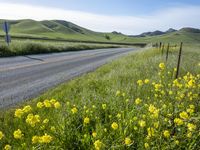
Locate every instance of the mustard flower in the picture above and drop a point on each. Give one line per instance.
(74, 110)
(184, 115)
(127, 141)
(18, 134)
(114, 125)
(1, 135)
(19, 113)
(7, 147)
(86, 120)
(98, 144)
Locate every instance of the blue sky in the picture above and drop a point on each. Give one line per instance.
(127, 16)
(110, 7)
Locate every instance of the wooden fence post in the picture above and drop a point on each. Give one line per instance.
(179, 60)
(163, 46)
(167, 53)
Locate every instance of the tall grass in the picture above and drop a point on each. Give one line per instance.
(37, 47)
(132, 103)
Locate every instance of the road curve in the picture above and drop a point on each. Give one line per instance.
(26, 77)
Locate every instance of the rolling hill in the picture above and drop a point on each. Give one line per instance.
(60, 29)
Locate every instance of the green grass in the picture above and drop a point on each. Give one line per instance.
(108, 96)
(55, 29)
(25, 47)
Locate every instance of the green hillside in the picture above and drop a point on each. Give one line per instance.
(59, 29)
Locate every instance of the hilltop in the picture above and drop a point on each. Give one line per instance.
(60, 29)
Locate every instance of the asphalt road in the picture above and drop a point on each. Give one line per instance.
(26, 77)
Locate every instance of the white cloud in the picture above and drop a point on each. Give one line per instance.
(160, 20)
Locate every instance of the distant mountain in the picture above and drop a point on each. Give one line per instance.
(60, 29)
(170, 30)
(155, 33)
(115, 32)
(191, 30)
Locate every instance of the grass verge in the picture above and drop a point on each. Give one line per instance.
(27, 47)
(132, 103)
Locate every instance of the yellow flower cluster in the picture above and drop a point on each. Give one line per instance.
(32, 119)
(114, 126)
(42, 139)
(20, 112)
(162, 66)
(127, 141)
(86, 120)
(138, 101)
(18, 134)
(74, 110)
(49, 103)
(98, 144)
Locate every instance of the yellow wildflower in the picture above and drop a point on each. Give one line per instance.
(47, 103)
(192, 107)
(94, 134)
(156, 124)
(98, 144)
(189, 110)
(32, 119)
(189, 134)
(151, 132)
(114, 125)
(1, 135)
(138, 101)
(127, 141)
(146, 81)
(140, 82)
(103, 106)
(45, 139)
(57, 105)
(7, 147)
(146, 145)
(119, 115)
(53, 129)
(74, 110)
(18, 134)
(27, 108)
(166, 134)
(152, 108)
(35, 139)
(135, 128)
(86, 120)
(45, 121)
(177, 142)
(162, 66)
(142, 123)
(53, 101)
(19, 113)
(184, 115)
(178, 121)
(191, 127)
(123, 94)
(40, 105)
(170, 92)
(191, 83)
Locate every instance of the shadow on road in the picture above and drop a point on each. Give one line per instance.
(34, 58)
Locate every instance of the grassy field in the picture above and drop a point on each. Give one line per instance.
(131, 103)
(59, 29)
(25, 47)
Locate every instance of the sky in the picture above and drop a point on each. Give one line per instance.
(127, 16)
